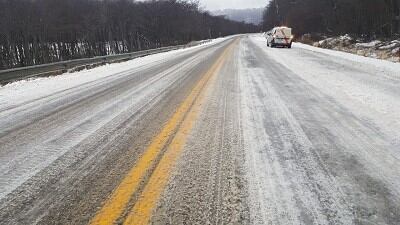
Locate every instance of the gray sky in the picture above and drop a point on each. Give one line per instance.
(232, 4)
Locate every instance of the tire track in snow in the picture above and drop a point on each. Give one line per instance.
(290, 176)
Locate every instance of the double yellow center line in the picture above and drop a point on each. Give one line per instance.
(177, 129)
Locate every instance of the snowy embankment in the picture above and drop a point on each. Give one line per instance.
(384, 65)
(34, 88)
(387, 50)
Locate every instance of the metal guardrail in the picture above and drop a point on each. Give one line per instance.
(10, 75)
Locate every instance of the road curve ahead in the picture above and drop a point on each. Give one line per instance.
(229, 132)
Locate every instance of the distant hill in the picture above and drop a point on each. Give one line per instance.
(253, 16)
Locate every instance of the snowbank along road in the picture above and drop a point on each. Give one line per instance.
(230, 132)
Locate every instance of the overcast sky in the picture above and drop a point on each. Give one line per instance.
(232, 4)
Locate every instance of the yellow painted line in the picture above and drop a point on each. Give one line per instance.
(142, 210)
(118, 201)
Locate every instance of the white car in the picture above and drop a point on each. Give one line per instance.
(280, 36)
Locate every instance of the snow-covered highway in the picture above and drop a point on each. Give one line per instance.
(229, 132)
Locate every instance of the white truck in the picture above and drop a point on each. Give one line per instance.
(280, 36)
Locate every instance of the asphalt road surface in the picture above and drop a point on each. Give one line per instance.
(230, 132)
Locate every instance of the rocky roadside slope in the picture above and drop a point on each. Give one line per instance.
(379, 49)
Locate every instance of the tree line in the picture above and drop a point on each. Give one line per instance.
(369, 18)
(35, 32)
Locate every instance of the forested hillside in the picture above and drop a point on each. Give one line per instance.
(253, 16)
(359, 17)
(41, 31)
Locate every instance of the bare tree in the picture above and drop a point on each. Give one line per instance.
(359, 17)
(43, 31)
